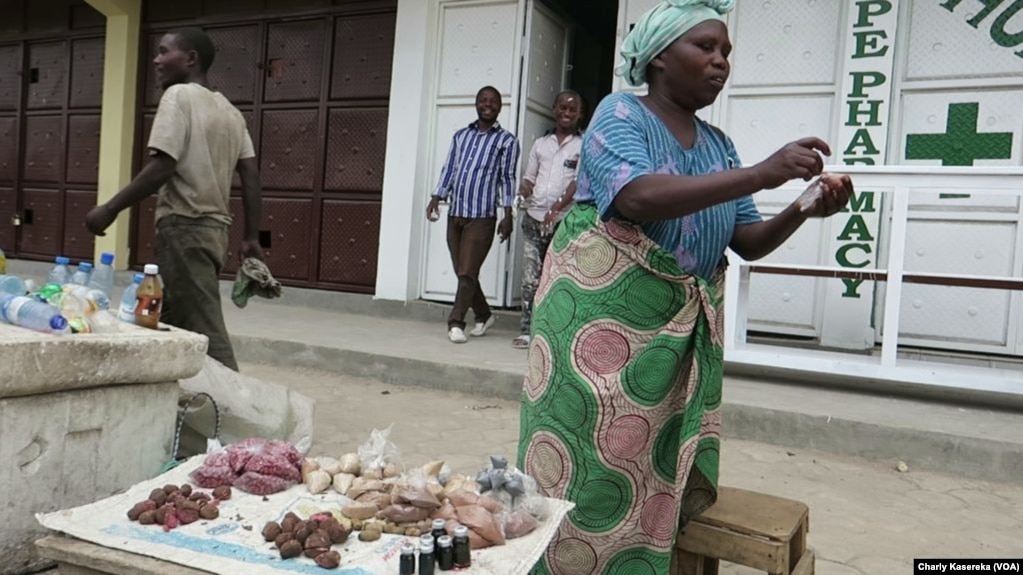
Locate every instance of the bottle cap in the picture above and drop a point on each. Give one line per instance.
(58, 323)
(62, 261)
(106, 258)
(426, 547)
(407, 549)
(152, 269)
(427, 538)
(85, 266)
(438, 523)
(461, 531)
(444, 541)
(138, 278)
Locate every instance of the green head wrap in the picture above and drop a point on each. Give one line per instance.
(661, 26)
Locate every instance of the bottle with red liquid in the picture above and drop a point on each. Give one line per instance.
(149, 298)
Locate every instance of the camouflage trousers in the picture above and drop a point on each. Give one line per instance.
(534, 246)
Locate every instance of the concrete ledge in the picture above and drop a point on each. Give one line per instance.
(61, 450)
(36, 363)
(924, 450)
(391, 369)
(976, 443)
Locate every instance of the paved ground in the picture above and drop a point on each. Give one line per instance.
(866, 518)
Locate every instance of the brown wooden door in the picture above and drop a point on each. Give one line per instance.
(51, 80)
(313, 81)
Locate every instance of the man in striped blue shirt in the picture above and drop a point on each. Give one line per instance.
(478, 177)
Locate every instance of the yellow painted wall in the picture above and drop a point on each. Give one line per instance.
(117, 129)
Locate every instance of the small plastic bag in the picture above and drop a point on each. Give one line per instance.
(811, 195)
(515, 524)
(531, 501)
(512, 488)
(378, 452)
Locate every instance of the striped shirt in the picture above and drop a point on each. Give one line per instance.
(478, 164)
(625, 141)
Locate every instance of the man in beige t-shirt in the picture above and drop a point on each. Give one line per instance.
(198, 141)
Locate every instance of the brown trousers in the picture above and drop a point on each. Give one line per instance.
(191, 253)
(469, 241)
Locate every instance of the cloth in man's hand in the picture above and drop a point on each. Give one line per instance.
(254, 279)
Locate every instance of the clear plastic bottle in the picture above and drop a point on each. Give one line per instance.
(149, 298)
(33, 314)
(82, 274)
(61, 273)
(96, 298)
(48, 291)
(103, 322)
(103, 274)
(74, 309)
(12, 285)
(128, 300)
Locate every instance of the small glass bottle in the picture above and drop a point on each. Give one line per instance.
(426, 559)
(407, 563)
(445, 553)
(438, 529)
(463, 555)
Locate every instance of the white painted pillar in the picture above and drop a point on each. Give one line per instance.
(403, 208)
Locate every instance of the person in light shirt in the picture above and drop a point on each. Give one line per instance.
(547, 189)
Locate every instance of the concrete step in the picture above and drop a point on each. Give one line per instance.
(976, 442)
(406, 344)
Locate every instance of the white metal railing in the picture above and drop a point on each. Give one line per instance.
(899, 184)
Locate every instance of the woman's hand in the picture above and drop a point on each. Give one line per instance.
(835, 192)
(800, 159)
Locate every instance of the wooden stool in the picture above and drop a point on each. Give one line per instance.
(760, 531)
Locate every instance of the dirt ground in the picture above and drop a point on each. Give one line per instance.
(865, 517)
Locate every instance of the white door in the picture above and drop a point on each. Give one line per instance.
(478, 44)
(545, 72)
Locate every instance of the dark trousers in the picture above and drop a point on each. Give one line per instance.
(469, 241)
(191, 253)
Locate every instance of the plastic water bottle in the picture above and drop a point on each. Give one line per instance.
(96, 298)
(103, 275)
(74, 309)
(128, 300)
(35, 315)
(48, 291)
(82, 275)
(12, 285)
(103, 322)
(60, 273)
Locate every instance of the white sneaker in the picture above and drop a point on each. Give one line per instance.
(481, 328)
(456, 335)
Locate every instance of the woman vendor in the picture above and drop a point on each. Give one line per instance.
(621, 404)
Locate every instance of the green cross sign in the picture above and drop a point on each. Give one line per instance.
(961, 144)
